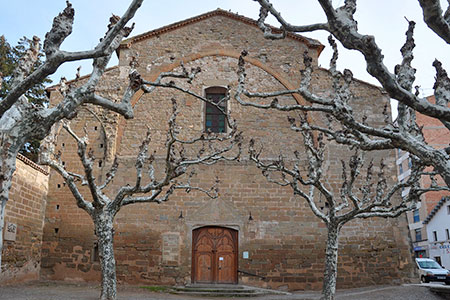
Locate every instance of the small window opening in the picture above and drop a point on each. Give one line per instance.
(56, 230)
(100, 163)
(438, 260)
(63, 163)
(418, 234)
(58, 185)
(95, 128)
(215, 120)
(435, 236)
(416, 216)
(448, 234)
(57, 206)
(63, 145)
(101, 145)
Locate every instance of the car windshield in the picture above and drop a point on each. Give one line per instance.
(429, 265)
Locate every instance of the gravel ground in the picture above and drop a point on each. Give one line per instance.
(67, 291)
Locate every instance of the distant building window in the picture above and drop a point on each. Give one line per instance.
(214, 118)
(448, 234)
(416, 216)
(438, 260)
(409, 163)
(435, 236)
(448, 209)
(418, 233)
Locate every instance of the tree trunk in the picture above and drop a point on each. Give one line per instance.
(104, 230)
(331, 258)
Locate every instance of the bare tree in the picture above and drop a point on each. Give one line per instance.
(348, 126)
(155, 187)
(21, 120)
(359, 196)
(356, 198)
(399, 84)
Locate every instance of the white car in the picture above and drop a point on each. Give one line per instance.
(430, 270)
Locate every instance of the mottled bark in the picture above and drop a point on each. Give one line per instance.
(438, 21)
(103, 222)
(331, 259)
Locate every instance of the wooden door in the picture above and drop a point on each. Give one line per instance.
(214, 255)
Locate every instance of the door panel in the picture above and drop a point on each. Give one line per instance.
(214, 255)
(226, 268)
(204, 271)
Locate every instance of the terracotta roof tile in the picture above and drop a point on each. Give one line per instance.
(436, 209)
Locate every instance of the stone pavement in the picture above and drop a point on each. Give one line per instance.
(70, 291)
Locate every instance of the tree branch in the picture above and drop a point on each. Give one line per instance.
(62, 25)
(436, 19)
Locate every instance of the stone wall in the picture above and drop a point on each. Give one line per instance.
(24, 222)
(285, 242)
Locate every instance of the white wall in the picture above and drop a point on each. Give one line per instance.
(439, 223)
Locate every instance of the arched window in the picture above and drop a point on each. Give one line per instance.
(214, 118)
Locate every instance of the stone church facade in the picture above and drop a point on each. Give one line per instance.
(255, 232)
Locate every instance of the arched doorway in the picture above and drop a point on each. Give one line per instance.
(214, 255)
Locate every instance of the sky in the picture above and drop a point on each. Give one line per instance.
(385, 19)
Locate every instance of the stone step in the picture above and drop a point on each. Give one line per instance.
(212, 285)
(219, 294)
(212, 290)
(220, 290)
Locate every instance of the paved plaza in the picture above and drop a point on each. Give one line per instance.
(72, 291)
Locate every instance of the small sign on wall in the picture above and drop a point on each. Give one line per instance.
(245, 255)
(10, 231)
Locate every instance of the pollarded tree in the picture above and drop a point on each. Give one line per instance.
(350, 126)
(359, 196)
(151, 185)
(22, 121)
(335, 119)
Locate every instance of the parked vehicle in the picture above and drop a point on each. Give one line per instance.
(430, 270)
